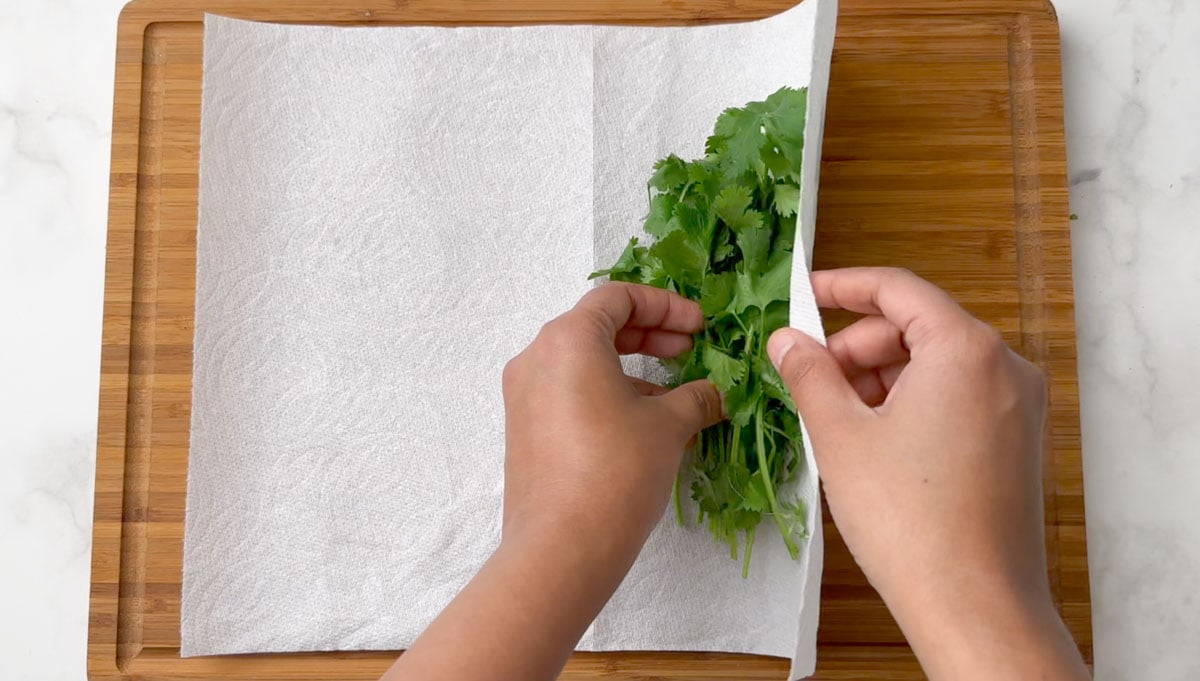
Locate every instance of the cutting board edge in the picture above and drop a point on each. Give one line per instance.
(136, 14)
(111, 533)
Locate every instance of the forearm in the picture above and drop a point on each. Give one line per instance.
(518, 619)
(995, 634)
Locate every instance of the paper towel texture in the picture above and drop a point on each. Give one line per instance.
(386, 216)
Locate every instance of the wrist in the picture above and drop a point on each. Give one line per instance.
(988, 631)
(561, 575)
(598, 550)
(520, 616)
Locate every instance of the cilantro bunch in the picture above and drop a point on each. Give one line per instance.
(723, 228)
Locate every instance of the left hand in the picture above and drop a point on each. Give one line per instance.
(589, 449)
(591, 456)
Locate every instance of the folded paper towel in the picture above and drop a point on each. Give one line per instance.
(386, 216)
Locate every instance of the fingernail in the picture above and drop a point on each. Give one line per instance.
(777, 347)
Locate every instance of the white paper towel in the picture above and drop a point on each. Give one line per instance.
(386, 216)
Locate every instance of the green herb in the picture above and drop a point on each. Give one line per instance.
(722, 229)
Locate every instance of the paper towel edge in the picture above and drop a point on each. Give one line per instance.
(804, 660)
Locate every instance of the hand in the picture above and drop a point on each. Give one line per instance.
(927, 431)
(590, 450)
(590, 458)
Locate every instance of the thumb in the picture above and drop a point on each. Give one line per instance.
(695, 406)
(819, 388)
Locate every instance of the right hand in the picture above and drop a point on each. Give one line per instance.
(927, 431)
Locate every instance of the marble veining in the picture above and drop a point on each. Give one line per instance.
(1132, 106)
(56, 70)
(1134, 154)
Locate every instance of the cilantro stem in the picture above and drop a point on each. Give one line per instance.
(777, 430)
(770, 485)
(746, 558)
(683, 192)
(745, 330)
(675, 499)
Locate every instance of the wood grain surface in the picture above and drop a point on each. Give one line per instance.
(944, 153)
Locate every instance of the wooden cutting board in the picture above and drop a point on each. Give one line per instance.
(944, 153)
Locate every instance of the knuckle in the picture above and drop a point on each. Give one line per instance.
(607, 291)
(984, 343)
(837, 346)
(990, 339)
(894, 275)
(511, 375)
(1035, 379)
(705, 400)
(554, 334)
(614, 286)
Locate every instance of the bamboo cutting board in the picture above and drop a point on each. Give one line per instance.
(943, 153)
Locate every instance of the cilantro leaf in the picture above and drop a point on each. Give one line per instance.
(779, 165)
(650, 270)
(626, 264)
(772, 385)
(737, 139)
(722, 252)
(754, 242)
(755, 496)
(690, 218)
(724, 371)
(658, 222)
(760, 290)
(716, 293)
(686, 367)
(787, 199)
(669, 174)
(682, 259)
(786, 231)
(741, 401)
(783, 123)
(731, 205)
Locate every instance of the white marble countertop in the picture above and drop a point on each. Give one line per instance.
(1133, 136)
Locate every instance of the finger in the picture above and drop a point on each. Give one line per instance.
(874, 385)
(824, 397)
(632, 340)
(871, 353)
(695, 406)
(888, 375)
(647, 388)
(909, 302)
(869, 388)
(868, 344)
(618, 305)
